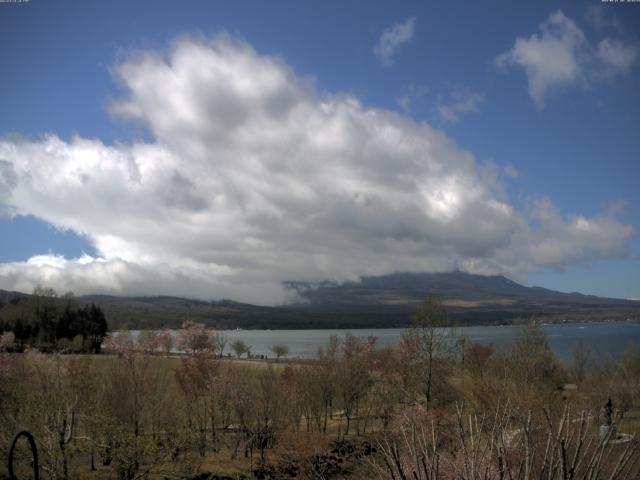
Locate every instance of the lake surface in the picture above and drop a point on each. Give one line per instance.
(606, 339)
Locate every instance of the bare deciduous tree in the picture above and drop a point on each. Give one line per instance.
(428, 341)
(279, 350)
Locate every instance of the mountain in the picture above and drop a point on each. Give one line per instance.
(384, 301)
(6, 297)
(456, 288)
(469, 298)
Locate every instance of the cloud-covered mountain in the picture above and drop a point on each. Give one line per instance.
(382, 301)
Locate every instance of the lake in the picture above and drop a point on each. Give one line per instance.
(606, 339)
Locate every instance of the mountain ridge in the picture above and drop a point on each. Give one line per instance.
(374, 301)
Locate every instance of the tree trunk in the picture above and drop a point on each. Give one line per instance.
(429, 373)
(326, 414)
(348, 416)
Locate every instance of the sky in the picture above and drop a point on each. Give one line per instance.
(216, 149)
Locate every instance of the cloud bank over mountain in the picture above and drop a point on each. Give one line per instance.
(253, 177)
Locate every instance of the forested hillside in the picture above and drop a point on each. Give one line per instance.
(385, 301)
(50, 323)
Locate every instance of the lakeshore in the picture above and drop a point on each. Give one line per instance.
(604, 338)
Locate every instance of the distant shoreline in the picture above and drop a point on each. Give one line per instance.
(453, 324)
(605, 337)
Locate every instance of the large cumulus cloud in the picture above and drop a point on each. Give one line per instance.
(253, 177)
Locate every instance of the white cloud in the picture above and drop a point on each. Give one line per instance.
(598, 18)
(616, 207)
(404, 102)
(460, 103)
(117, 276)
(616, 56)
(561, 56)
(252, 178)
(412, 93)
(392, 38)
(555, 241)
(511, 171)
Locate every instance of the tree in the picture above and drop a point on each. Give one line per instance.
(194, 337)
(220, 342)
(120, 342)
(96, 326)
(270, 409)
(429, 340)
(7, 341)
(44, 292)
(46, 316)
(279, 350)
(477, 356)
(50, 323)
(148, 341)
(581, 360)
(165, 341)
(354, 375)
(388, 389)
(197, 378)
(532, 361)
(77, 345)
(531, 372)
(240, 348)
(328, 375)
(629, 369)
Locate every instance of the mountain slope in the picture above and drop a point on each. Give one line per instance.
(455, 287)
(384, 301)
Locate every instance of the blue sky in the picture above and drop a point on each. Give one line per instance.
(543, 95)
